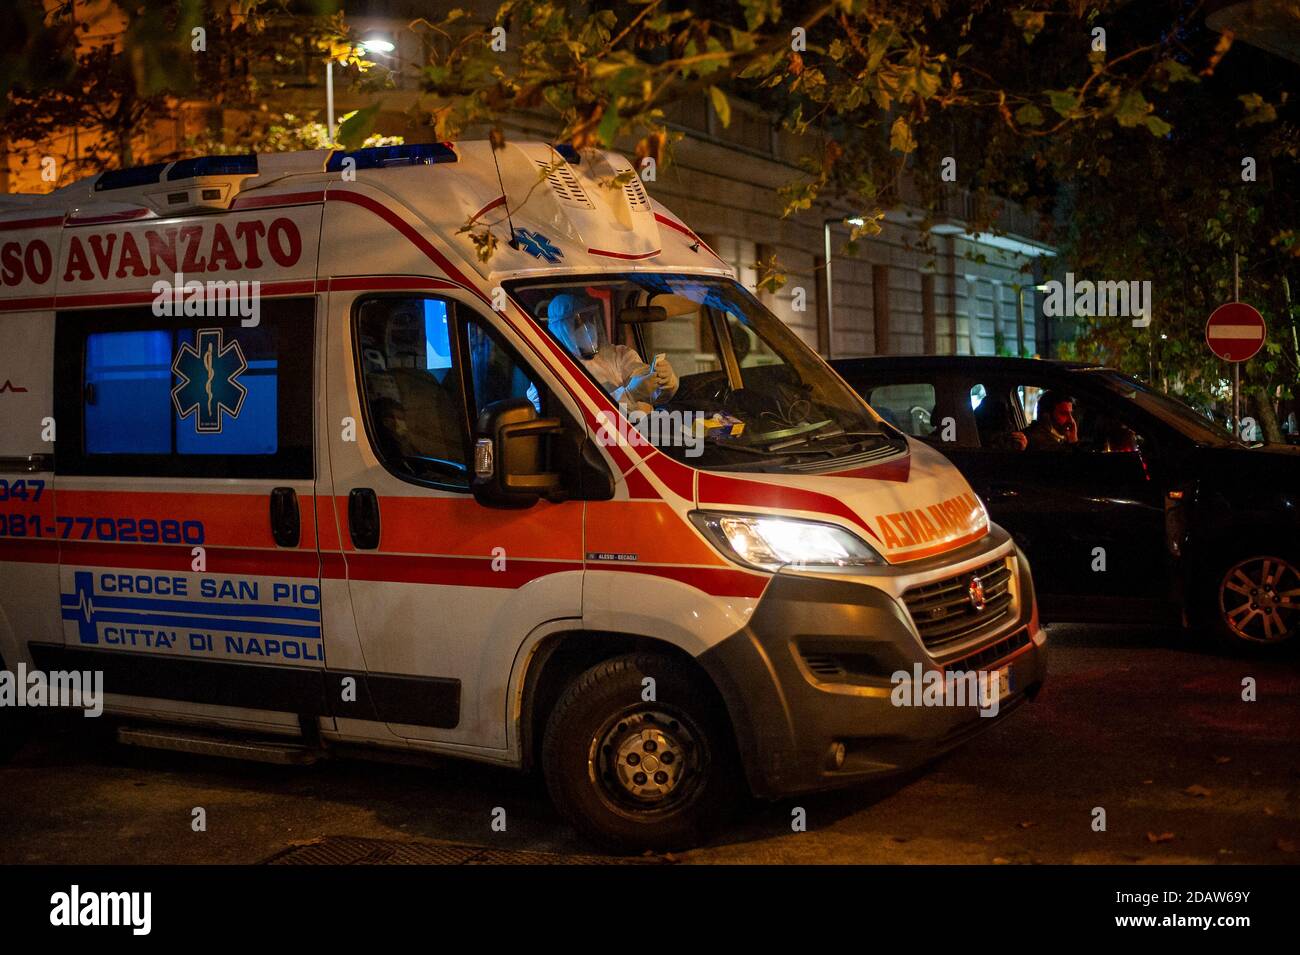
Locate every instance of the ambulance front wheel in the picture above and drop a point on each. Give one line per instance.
(637, 755)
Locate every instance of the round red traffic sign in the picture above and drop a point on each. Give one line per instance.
(1235, 332)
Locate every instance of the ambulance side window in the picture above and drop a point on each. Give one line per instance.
(415, 414)
(137, 394)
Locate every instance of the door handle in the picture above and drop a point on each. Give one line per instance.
(286, 527)
(363, 518)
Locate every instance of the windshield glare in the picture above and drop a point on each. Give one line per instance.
(705, 372)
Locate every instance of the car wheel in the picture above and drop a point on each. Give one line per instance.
(635, 774)
(1256, 600)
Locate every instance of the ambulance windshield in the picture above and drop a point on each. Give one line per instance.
(706, 373)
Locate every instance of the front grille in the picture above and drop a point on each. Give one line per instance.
(944, 614)
(992, 653)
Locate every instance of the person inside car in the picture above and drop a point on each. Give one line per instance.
(576, 322)
(1055, 426)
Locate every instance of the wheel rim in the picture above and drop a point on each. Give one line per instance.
(1259, 599)
(648, 759)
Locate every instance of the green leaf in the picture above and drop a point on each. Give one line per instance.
(608, 128)
(1258, 109)
(1030, 22)
(1176, 72)
(1157, 126)
(1064, 102)
(356, 126)
(1029, 115)
(720, 105)
(900, 136)
(1132, 109)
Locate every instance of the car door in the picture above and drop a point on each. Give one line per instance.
(1087, 515)
(185, 489)
(443, 589)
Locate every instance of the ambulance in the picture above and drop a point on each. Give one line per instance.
(297, 457)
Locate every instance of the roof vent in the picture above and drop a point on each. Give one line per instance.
(635, 192)
(564, 183)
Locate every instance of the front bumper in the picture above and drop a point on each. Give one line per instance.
(790, 706)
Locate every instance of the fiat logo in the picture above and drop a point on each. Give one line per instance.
(975, 593)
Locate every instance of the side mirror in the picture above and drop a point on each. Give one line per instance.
(642, 315)
(509, 454)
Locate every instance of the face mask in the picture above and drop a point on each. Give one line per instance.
(585, 340)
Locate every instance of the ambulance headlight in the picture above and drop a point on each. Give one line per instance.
(770, 543)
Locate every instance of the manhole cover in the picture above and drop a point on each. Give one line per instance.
(347, 850)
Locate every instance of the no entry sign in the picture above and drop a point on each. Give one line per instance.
(1235, 332)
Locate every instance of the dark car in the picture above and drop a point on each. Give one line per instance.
(1153, 514)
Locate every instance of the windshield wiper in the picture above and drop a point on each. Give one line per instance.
(789, 437)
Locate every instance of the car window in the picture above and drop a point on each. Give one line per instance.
(1058, 420)
(413, 397)
(909, 406)
(996, 409)
(1186, 420)
(203, 398)
(1028, 396)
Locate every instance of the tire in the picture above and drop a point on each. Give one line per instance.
(602, 736)
(1251, 601)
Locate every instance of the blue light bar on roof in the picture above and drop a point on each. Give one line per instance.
(242, 165)
(125, 178)
(378, 157)
(569, 153)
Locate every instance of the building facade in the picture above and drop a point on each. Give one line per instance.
(908, 290)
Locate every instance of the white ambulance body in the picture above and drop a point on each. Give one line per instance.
(391, 508)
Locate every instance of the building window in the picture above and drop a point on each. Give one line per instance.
(929, 333)
(880, 307)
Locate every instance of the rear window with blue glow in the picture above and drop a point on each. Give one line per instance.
(182, 391)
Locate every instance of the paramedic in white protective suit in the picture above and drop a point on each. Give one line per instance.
(576, 321)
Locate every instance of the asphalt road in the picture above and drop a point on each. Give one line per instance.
(1138, 723)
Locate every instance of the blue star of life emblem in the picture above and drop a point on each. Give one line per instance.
(209, 371)
(538, 246)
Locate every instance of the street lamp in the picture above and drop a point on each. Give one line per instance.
(856, 222)
(371, 44)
